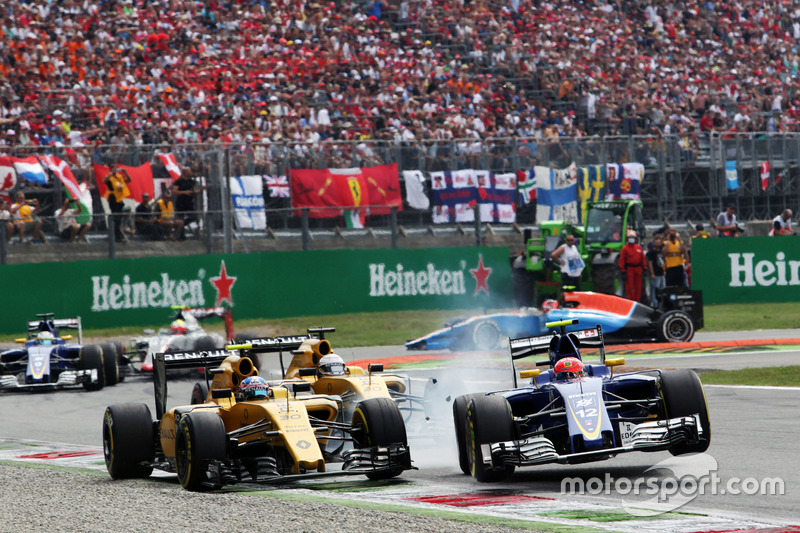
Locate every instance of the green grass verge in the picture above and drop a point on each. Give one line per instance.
(378, 329)
(785, 376)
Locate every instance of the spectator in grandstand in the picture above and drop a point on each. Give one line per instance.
(5, 219)
(185, 189)
(171, 227)
(145, 221)
(117, 190)
(25, 219)
(68, 227)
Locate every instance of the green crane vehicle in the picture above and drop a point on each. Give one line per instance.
(599, 243)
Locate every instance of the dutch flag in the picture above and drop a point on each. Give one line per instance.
(29, 168)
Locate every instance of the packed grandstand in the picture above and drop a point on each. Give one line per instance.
(144, 72)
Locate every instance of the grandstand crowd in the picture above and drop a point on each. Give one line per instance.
(81, 72)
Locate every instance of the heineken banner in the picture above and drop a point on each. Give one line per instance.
(143, 292)
(747, 269)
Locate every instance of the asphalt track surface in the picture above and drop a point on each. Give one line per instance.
(755, 436)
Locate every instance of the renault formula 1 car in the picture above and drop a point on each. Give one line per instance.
(623, 321)
(48, 360)
(576, 412)
(230, 439)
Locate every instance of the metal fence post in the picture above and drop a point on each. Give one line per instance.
(3, 248)
(478, 239)
(112, 241)
(209, 232)
(393, 224)
(306, 232)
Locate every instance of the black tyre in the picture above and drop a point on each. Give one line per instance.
(486, 335)
(683, 395)
(675, 326)
(460, 424)
(200, 438)
(91, 358)
(378, 422)
(110, 363)
(604, 278)
(199, 393)
(205, 344)
(120, 354)
(488, 419)
(241, 338)
(128, 440)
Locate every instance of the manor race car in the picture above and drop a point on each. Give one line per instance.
(623, 321)
(577, 412)
(248, 430)
(184, 335)
(49, 361)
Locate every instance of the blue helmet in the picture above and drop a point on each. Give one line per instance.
(254, 387)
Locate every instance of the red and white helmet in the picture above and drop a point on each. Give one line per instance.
(568, 368)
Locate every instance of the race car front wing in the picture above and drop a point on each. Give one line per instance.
(647, 436)
(67, 378)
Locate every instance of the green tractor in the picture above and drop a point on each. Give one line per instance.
(599, 243)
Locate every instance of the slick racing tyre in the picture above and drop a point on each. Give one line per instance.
(110, 363)
(378, 422)
(91, 358)
(675, 326)
(200, 438)
(486, 335)
(488, 420)
(205, 344)
(120, 348)
(682, 394)
(199, 393)
(459, 423)
(128, 440)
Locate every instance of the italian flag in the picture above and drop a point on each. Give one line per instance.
(73, 189)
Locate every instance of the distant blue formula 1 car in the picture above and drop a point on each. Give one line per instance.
(576, 412)
(49, 361)
(622, 321)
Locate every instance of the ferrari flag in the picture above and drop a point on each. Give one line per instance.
(141, 180)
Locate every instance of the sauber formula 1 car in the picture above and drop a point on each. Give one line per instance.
(49, 361)
(184, 335)
(229, 439)
(576, 412)
(623, 321)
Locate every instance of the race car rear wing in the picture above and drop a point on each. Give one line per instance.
(35, 326)
(204, 313)
(211, 359)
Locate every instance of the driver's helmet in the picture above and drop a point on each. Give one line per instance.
(568, 368)
(549, 305)
(45, 337)
(331, 365)
(253, 387)
(179, 327)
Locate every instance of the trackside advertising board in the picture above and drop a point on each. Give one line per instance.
(747, 269)
(133, 292)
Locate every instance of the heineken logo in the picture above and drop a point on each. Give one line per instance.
(127, 293)
(747, 272)
(397, 280)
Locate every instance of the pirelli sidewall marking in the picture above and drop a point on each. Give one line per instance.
(142, 292)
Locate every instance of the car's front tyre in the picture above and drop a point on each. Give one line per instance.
(683, 395)
(488, 419)
(378, 422)
(200, 438)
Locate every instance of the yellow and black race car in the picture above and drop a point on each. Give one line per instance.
(281, 433)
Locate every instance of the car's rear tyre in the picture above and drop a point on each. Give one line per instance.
(199, 393)
(460, 423)
(675, 326)
(120, 354)
(488, 419)
(90, 357)
(682, 393)
(486, 335)
(128, 440)
(200, 438)
(378, 422)
(110, 363)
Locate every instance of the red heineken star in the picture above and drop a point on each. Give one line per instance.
(481, 275)
(223, 283)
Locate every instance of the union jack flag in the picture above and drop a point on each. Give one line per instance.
(278, 186)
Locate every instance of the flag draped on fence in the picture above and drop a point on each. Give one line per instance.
(456, 193)
(557, 194)
(764, 171)
(171, 164)
(591, 186)
(278, 186)
(8, 174)
(624, 181)
(526, 183)
(29, 168)
(731, 175)
(74, 191)
(415, 189)
(247, 196)
(141, 180)
(383, 188)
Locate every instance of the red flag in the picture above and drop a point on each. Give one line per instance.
(341, 188)
(171, 165)
(764, 175)
(141, 180)
(383, 186)
(8, 175)
(64, 173)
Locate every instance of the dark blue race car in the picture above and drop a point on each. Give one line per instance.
(49, 360)
(575, 412)
(622, 320)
